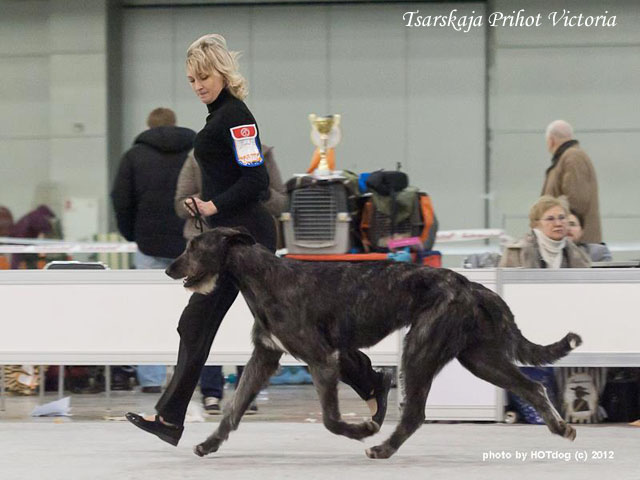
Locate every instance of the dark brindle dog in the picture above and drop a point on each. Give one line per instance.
(314, 310)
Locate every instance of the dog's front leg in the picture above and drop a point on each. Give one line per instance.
(262, 364)
(325, 379)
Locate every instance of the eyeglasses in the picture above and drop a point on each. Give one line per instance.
(560, 218)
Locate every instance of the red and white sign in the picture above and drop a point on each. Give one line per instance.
(243, 131)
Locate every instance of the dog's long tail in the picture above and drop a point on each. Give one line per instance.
(530, 353)
(524, 351)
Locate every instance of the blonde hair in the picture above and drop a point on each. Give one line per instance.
(543, 204)
(209, 54)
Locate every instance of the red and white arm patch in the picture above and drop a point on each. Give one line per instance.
(245, 145)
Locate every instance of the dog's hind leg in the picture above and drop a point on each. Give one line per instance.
(262, 364)
(422, 359)
(325, 378)
(500, 371)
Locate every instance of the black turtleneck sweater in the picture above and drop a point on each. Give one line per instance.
(230, 183)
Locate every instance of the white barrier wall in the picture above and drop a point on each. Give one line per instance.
(116, 316)
(598, 304)
(101, 317)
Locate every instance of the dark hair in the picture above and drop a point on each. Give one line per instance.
(161, 117)
(6, 222)
(579, 216)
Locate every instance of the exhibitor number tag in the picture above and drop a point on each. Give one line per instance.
(245, 144)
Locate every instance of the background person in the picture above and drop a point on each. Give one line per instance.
(37, 223)
(190, 185)
(143, 194)
(598, 252)
(572, 174)
(547, 245)
(6, 221)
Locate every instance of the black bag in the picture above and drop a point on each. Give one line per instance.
(387, 183)
(621, 398)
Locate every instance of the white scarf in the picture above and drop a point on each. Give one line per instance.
(551, 250)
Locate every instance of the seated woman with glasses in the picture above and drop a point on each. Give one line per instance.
(547, 246)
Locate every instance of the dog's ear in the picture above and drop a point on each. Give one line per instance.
(238, 235)
(225, 238)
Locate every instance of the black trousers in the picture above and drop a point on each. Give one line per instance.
(199, 324)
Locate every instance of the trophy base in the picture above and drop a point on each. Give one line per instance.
(327, 174)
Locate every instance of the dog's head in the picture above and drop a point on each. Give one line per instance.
(205, 257)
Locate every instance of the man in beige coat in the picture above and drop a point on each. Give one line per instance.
(572, 174)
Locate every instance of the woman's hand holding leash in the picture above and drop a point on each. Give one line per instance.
(206, 209)
(200, 210)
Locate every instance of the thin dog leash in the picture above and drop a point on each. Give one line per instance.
(200, 221)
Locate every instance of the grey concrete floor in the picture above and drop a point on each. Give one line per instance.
(287, 440)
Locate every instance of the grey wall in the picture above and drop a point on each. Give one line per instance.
(586, 76)
(52, 103)
(404, 94)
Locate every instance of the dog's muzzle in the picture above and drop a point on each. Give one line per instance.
(190, 281)
(176, 270)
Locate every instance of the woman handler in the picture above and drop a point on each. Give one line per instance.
(234, 181)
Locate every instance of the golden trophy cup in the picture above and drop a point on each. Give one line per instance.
(325, 134)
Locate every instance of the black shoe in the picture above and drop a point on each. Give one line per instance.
(120, 382)
(152, 389)
(381, 392)
(169, 433)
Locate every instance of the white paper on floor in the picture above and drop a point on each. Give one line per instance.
(58, 408)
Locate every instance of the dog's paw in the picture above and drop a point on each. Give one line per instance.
(574, 340)
(204, 448)
(380, 451)
(359, 431)
(371, 426)
(569, 432)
